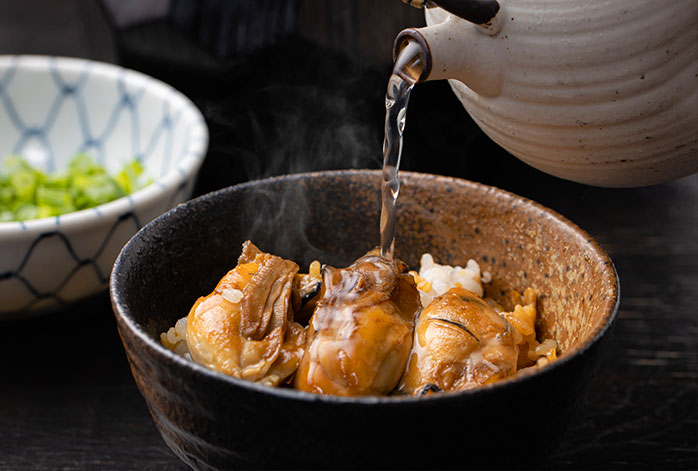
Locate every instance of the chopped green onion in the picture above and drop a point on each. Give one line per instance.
(27, 211)
(12, 164)
(128, 179)
(23, 184)
(56, 198)
(28, 193)
(6, 215)
(82, 164)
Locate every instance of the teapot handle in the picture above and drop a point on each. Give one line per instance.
(482, 13)
(479, 12)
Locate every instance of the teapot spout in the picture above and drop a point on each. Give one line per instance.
(456, 49)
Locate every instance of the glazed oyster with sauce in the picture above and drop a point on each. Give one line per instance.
(371, 328)
(360, 334)
(245, 327)
(460, 342)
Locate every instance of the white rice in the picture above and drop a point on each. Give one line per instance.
(232, 295)
(176, 338)
(434, 279)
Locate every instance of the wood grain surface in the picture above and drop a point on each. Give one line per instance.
(67, 398)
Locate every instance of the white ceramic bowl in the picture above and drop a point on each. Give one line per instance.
(53, 108)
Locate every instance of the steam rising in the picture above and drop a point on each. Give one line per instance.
(291, 111)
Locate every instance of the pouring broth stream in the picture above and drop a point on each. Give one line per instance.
(409, 66)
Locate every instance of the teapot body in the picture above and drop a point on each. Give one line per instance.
(601, 92)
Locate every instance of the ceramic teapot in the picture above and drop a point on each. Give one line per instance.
(602, 92)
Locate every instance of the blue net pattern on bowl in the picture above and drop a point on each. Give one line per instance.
(145, 143)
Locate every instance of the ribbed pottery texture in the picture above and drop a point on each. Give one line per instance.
(603, 92)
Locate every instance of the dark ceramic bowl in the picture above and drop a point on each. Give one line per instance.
(212, 421)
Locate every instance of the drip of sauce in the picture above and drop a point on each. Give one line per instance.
(408, 68)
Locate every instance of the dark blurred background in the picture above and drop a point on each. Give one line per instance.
(298, 85)
(285, 85)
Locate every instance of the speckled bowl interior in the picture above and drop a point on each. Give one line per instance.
(216, 422)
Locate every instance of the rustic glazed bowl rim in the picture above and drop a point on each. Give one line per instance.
(123, 313)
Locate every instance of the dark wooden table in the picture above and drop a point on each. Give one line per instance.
(67, 398)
